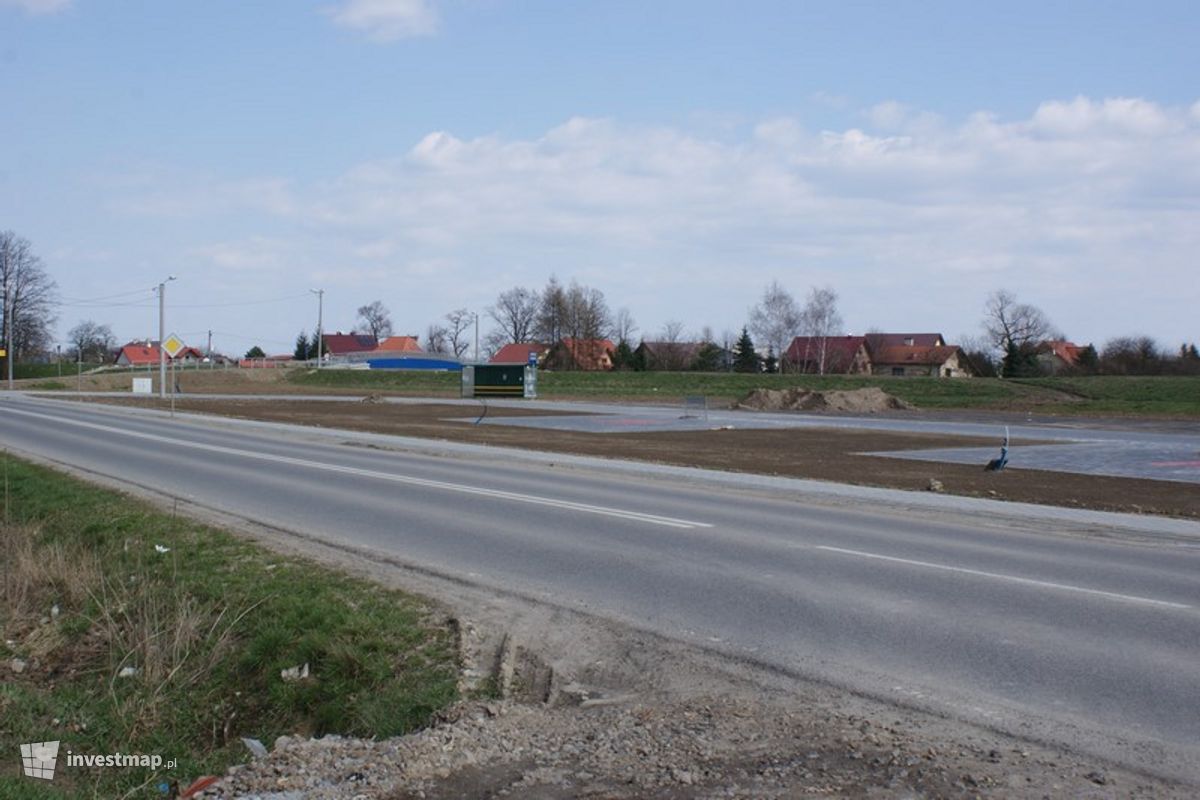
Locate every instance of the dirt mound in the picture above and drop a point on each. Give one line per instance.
(856, 401)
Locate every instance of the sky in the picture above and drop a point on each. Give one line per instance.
(678, 156)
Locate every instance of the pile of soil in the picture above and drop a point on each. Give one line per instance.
(856, 401)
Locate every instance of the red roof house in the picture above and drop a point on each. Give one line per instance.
(145, 353)
(829, 355)
(581, 354)
(337, 344)
(518, 353)
(1057, 355)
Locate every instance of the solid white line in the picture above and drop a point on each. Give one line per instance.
(1013, 578)
(499, 494)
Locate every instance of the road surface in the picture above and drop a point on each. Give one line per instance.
(1091, 641)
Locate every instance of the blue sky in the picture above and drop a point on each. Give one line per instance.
(678, 156)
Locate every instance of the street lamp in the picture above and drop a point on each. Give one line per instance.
(476, 337)
(162, 335)
(320, 293)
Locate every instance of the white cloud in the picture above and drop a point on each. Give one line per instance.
(1086, 207)
(38, 6)
(386, 20)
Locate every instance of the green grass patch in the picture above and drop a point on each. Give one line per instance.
(23, 371)
(416, 382)
(47, 386)
(207, 627)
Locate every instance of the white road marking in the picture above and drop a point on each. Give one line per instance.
(498, 494)
(1013, 578)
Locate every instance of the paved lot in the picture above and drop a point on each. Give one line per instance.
(1083, 450)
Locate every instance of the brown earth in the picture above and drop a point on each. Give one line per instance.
(818, 453)
(869, 400)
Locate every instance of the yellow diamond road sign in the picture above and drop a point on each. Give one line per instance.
(173, 345)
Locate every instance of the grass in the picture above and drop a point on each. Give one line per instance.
(207, 627)
(1100, 395)
(69, 368)
(417, 382)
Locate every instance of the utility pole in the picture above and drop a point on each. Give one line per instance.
(8, 330)
(476, 337)
(320, 293)
(59, 359)
(162, 335)
(208, 352)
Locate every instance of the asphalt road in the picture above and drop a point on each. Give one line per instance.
(1090, 641)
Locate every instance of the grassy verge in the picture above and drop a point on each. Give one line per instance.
(1133, 396)
(67, 368)
(429, 384)
(94, 584)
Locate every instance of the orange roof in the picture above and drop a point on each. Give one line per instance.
(517, 353)
(147, 353)
(1067, 351)
(400, 344)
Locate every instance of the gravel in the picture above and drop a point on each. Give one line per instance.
(658, 747)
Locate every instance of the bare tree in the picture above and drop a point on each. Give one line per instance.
(821, 321)
(458, 332)
(28, 298)
(1132, 355)
(91, 341)
(516, 312)
(376, 318)
(1011, 325)
(672, 354)
(776, 319)
(552, 313)
(588, 317)
(624, 327)
(436, 340)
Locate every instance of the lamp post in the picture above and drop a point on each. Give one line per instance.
(162, 335)
(476, 337)
(320, 293)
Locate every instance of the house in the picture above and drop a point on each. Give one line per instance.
(145, 354)
(340, 344)
(669, 356)
(1057, 356)
(590, 355)
(939, 361)
(399, 344)
(830, 355)
(876, 341)
(519, 353)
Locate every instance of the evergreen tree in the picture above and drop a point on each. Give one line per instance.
(255, 352)
(745, 357)
(302, 347)
(1020, 362)
(708, 359)
(623, 358)
(771, 363)
(1088, 360)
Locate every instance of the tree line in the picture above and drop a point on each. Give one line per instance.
(1013, 340)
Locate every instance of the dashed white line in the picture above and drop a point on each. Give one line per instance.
(499, 494)
(1012, 578)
